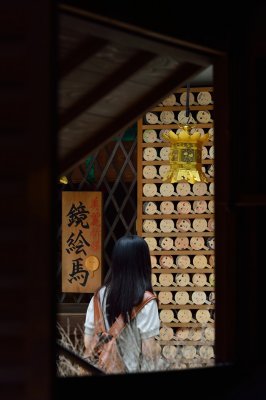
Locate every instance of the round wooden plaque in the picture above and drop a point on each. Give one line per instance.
(183, 189)
(200, 261)
(154, 280)
(163, 170)
(149, 189)
(211, 188)
(182, 279)
(199, 188)
(169, 101)
(199, 280)
(152, 118)
(166, 279)
(167, 207)
(181, 243)
(149, 136)
(166, 333)
(202, 316)
(209, 333)
(166, 261)
(200, 224)
(183, 261)
(151, 242)
(200, 206)
(149, 207)
(149, 154)
(212, 279)
(195, 334)
(167, 117)
(189, 352)
(182, 298)
(164, 153)
(167, 189)
(149, 172)
(211, 243)
(204, 98)
(204, 116)
(211, 225)
(183, 225)
(212, 260)
(206, 352)
(211, 206)
(169, 352)
(197, 243)
(211, 134)
(167, 225)
(165, 297)
(183, 207)
(149, 225)
(199, 298)
(161, 134)
(183, 99)
(182, 333)
(166, 316)
(204, 153)
(166, 243)
(184, 316)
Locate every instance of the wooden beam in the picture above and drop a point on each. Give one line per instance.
(128, 116)
(124, 72)
(72, 308)
(137, 37)
(85, 49)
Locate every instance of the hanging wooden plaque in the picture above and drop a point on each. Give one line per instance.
(81, 241)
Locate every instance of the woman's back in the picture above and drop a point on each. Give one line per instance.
(145, 325)
(126, 282)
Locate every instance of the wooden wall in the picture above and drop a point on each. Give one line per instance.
(28, 147)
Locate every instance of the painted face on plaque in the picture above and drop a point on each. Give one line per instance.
(149, 136)
(92, 263)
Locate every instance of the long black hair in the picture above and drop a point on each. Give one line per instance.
(128, 277)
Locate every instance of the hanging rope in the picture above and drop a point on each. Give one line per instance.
(187, 102)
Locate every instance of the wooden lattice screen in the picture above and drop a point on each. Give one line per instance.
(111, 170)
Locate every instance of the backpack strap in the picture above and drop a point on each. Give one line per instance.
(148, 296)
(119, 323)
(99, 325)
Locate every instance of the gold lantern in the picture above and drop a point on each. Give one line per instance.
(185, 155)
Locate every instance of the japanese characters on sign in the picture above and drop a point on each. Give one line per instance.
(81, 241)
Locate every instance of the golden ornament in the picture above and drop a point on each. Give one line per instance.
(185, 156)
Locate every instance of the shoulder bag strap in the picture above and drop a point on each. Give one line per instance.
(119, 324)
(148, 296)
(99, 325)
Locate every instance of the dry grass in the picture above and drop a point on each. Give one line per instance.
(73, 340)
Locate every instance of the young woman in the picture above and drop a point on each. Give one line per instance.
(124, 287)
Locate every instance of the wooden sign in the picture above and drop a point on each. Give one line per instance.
(81, 241)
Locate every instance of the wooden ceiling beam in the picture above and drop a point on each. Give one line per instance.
(84, 50)
(129, 115)
(123, 73)
(137, 37)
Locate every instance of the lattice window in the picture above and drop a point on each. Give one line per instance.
(112, 170)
